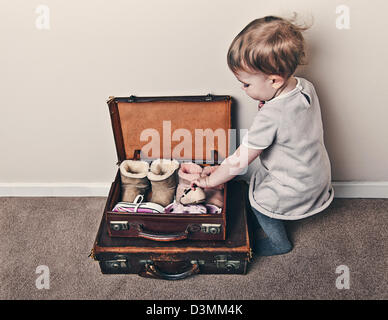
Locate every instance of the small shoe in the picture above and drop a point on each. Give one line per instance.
(163, 177)
(134, 179)
(191, 196)
(176, 207)
(138, 206)
(187, 173)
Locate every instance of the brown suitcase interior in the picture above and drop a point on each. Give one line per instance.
(130, 117)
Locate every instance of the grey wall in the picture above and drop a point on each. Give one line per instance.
(54, 121)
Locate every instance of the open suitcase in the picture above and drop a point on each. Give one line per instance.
(180, 259)
(179, 124)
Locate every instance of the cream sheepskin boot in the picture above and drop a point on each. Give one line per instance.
(163, 177)
(134, 179)
(187, 173)
(190, 196)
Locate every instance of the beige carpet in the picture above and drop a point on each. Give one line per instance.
(59, 233)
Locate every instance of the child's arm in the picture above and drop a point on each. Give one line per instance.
(229, 168)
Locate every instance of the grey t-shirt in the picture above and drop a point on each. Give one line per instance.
(294, 178)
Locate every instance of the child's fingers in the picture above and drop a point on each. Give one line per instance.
(206, 171)
(194, 184)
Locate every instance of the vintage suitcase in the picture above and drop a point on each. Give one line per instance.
(199, 127)
(177, 260)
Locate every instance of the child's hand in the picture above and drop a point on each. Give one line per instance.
(202, 182)
(207, 171)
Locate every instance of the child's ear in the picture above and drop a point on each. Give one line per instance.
(276, 81)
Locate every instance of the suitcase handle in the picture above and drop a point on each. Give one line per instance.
(163, 237)
(160, 236)
(152, 271)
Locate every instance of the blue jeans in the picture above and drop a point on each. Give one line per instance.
(277, 241)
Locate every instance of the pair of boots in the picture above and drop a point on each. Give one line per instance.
(137, 177)
(189, 172)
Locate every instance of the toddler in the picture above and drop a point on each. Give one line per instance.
(294, 178)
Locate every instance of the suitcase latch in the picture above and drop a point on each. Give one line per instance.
(119, 225)
(119, 263)
(211, 228)
(222, 262)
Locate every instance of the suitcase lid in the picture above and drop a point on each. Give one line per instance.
(192, 128)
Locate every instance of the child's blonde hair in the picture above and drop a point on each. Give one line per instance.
(271, 44)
